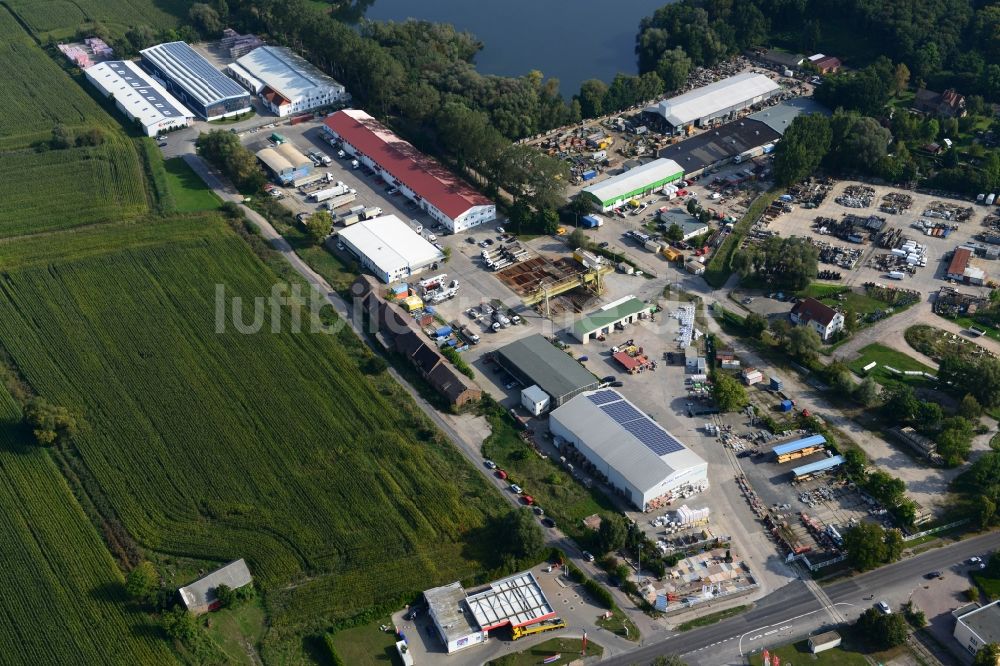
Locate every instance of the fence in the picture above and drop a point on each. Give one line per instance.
(935, 530)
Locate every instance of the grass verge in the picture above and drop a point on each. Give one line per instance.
(619, 624)
(188, 191)
(885, 356)
(569, 648)
(712, 618)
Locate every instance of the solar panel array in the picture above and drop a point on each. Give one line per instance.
(144, 89)
(643, 428)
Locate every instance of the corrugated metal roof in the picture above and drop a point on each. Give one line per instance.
(608, 316)
(798, 444)
(426, 177)
(274, 161)
(634, 179)
(192, 72)
(141, 96)
(715, 97)
(293, 155)
(618, 446)
(819, 466)
(517, 600)
(552, 369)
(288, 73)
(780, 116)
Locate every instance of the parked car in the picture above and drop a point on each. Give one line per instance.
(617, 384)
(933, 574)
(516, 489)
(392, 190)
(501, 474)
(538, 511)
(548, 522)
(500, 230)
(884, 607)
(602, 244)
(490, 464)
(609, 379)
(509, 385)
(587, 556)
(162, 144)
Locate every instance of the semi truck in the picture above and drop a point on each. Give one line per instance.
(342, 200)
(330, 192)
(470, 335)
(549, 625)
(322, 158)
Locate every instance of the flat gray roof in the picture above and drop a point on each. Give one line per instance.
(448, 605)
(202, 593)
(551, 368)
(985, 622)
(780, 116)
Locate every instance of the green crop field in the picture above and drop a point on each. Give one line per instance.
(36, 93)
(60, 593)
(68, 188)
(273, 446)
(62, 17)
(188, 191)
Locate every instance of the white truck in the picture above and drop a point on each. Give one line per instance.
(469, 335)
(330, 192)
(370, 212)
(322, 158)
(341, 200)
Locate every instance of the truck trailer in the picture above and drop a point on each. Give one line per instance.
(342, 200)
(370, 212)
(330, 192)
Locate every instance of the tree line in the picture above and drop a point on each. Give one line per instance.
(945, 43)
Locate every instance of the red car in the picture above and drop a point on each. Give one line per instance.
(528, 499)
(502, 474)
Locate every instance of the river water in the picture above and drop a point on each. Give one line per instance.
(571, 40)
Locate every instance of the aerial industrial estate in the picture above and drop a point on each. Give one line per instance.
(320, 346)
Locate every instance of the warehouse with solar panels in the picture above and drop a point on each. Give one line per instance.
(138, 96)
(195, 81)
(637, 455)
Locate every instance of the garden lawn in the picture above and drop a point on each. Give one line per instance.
(884, 356)
(188, 190)
(61, 595)
(569, 648)
(367, 645)
(213, 444)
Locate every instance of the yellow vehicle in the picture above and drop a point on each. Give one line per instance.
(548, 625)
(561, 231)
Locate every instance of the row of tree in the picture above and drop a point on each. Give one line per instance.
(946, 43)
(846, 142)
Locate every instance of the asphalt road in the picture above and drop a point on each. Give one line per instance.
(793, 612)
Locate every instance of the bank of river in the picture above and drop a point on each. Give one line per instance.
(571, 40)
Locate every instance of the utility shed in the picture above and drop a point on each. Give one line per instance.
(602, 322)
(201, 596)
(799, 448)
(825, 641)
(818, 467)
(535, 360)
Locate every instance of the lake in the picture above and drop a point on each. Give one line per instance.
(571, 40)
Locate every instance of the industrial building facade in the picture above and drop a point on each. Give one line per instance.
(389, 248)
(195, 82)
(638, 182)
(720, 100)
(284, 81)
(535, 360)
(636, 455)
(139, 96)
(444, 196)
(623, 311)
(977, 626)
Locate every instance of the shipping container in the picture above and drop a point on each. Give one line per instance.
(786, 405)
(589, 174)
(591, 221)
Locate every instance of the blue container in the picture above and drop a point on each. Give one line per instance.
(589, 174)
(443, 332)
(786, 405)
(776, 384)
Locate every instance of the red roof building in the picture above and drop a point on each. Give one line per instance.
(821, 317)
(827, 65)
(444, 196)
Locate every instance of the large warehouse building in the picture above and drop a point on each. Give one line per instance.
(389, 248)
(286, 162)
(285, 82)
(717, 100)
(195, 82)
(637, 455)
(637, 182)
(421, 179)
(535, 360)
(139, 96)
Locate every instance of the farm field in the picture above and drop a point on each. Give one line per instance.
(62, 17)
(37, 93)
(61, 593)
(275, 447)
(59, 189)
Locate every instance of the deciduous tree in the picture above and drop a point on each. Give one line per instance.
(728, 393)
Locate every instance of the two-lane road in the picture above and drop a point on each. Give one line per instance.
(793, 612)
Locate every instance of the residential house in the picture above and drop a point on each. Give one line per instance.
(821, 317)
(949, 104)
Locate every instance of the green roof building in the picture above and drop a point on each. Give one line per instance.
(535, 360)
(624, 311)
(637, 182)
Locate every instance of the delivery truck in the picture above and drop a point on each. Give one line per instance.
(370, 212)
(342, 200)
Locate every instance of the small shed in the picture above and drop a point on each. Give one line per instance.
(535, 400)
(201, 596)
(825, 641)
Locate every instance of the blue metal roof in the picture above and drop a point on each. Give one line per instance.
(818, 466)
(798, 444)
